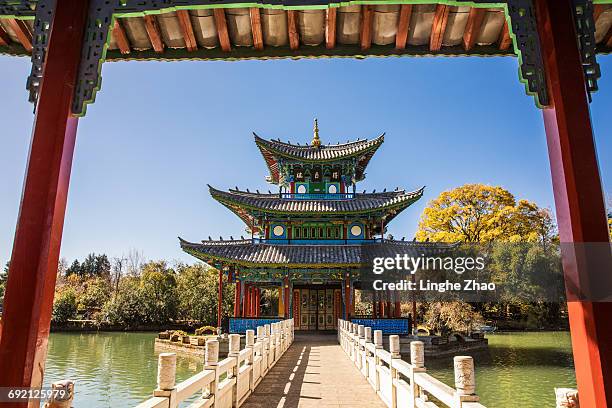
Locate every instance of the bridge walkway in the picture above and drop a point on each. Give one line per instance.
(314, 372)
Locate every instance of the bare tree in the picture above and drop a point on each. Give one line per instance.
(135, 259)
(117, 270)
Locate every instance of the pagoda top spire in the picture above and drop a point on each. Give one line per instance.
(316, 142)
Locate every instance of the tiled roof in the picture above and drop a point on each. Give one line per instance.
(274, 203)
(321, 153)
(248, 253)
(361, 150)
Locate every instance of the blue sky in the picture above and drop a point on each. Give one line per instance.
(160, 131)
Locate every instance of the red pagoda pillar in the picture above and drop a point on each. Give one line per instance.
(398, 305)
(245, 301)
(347, 297)
(579, 201)
(237, 298)
(30, 288)
(257, 302)
(220, 299)
(374, 305)
(287, 296)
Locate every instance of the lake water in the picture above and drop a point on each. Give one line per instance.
(120, 369)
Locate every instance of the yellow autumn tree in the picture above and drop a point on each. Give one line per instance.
(482, 213)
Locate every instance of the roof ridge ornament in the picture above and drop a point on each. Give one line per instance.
(316, 142)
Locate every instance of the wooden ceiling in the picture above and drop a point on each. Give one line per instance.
(235, 33)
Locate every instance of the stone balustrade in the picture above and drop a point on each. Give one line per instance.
(402, 384)
(227, 383)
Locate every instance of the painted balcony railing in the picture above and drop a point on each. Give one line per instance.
(402, 384)
(317, 196)
(227, 383)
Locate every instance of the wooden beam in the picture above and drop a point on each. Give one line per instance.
(221, 23)
(367, 15)
(187, 30)
(5, 39)
(504, 38)
(403, 26)
(472, 28)
(28, 300)
(154, 34)
(256, 28)
(579, 202)
(22, 31)
(292, 27)
(121, 38)
(330, 27)
(438, 27)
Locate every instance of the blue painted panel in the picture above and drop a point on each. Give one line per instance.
(240, 325)
(388, 326)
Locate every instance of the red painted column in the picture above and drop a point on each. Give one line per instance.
(30, 288)
(398, 305)
(253, 300)
(220, 299)
(258, 302)
(347, 297)
(237, 299)
(579, 201)
(287, 296)
(245, 301)
(374, 311)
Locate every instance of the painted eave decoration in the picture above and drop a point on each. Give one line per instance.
(361, 150)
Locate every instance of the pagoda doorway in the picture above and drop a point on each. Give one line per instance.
(317, 307)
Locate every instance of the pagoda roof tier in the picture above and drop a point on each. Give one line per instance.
(361, 150)
(244, 204)
(246, 253)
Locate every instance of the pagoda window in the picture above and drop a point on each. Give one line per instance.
(296, 232)
(320, 232)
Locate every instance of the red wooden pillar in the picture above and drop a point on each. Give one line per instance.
(31, 282)
(287, 300)
(252, 299)
(220, 299)
(257, 302)
(374, 305)
(578, 200)
(347, 297)
(245, 301)
(398, 305)
(237, 299)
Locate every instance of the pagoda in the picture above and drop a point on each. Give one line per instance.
(306, 239)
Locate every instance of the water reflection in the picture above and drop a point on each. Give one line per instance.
(519, 369)
(110, 369)
(120, 369)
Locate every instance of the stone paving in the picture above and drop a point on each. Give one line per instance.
(314, 372)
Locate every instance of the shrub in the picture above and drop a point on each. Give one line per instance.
(64, 306)
(205, 330)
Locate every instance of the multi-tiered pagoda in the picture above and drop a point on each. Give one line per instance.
(307, 238)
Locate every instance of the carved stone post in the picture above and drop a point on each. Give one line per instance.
(361, 348)
(394, 349)
(211, 362)
(417, 354)
(250, 344)
(465, 379)
(417, 361)
(378, 344)
(166, 378)
(64, 397)
(261, 338)
(566, 398)
(234, 352)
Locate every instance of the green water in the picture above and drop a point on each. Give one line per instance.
(120, 369)
(518, 370)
